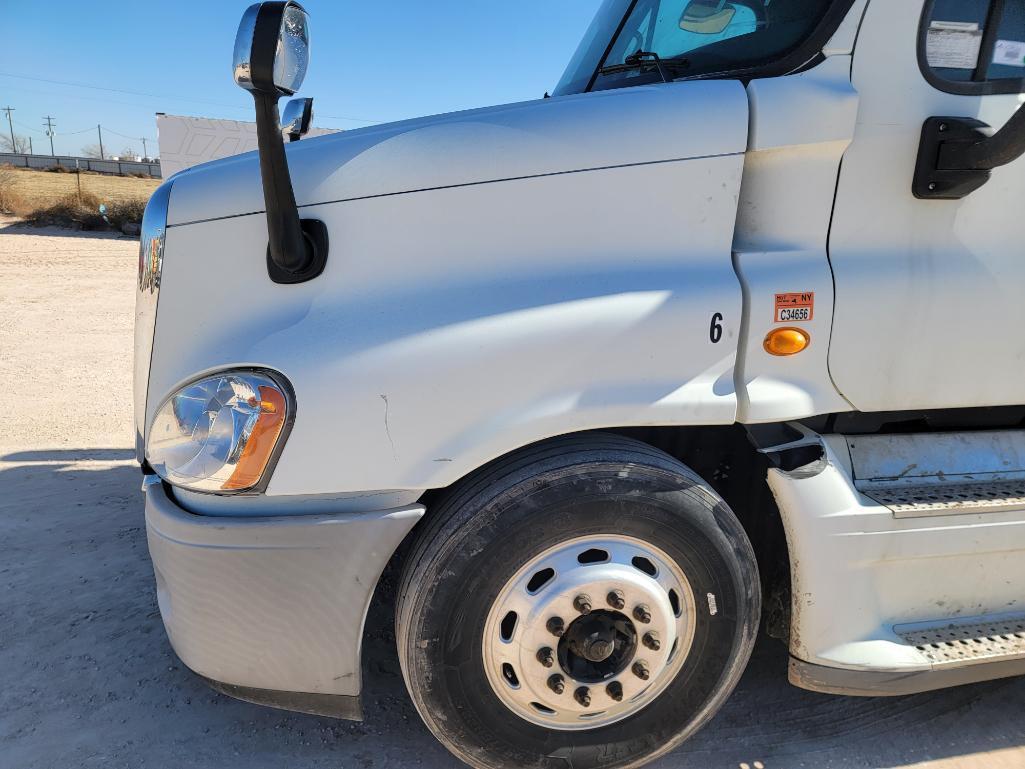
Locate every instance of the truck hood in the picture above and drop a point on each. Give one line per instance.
(605, 129)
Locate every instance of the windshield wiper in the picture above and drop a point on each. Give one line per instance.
(641, 59)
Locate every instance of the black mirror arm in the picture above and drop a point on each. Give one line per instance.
(297, 249)
(287, 246)
(1003, 147)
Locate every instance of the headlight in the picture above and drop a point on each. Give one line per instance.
(220, 433)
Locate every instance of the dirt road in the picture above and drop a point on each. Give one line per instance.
(87, 678)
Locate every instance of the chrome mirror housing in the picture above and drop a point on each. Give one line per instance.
(296, 118)
(272, 48)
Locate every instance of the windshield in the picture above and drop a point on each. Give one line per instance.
(592, 47)
(699, 38)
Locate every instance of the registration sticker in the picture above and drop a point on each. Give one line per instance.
(953, 44)
(1010, 53)
(795, 307)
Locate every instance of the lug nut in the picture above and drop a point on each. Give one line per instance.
(640, 669)
(615, 691)
(556, 683)
(582, 603)
(583, 696)
(651, 641)
(642, 613)
(615, 599)
(546, 656)
(556, 626)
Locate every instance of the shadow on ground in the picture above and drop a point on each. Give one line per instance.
(88, 678)
(11, 226)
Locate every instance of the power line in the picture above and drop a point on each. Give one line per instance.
(27, 127)
(116, 90)
(124, 136)
(165, 96)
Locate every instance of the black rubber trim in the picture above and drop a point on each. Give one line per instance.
(874, 683)
(346, 707)
(314, 232)
(972, 87)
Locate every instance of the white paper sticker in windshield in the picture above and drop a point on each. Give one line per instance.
(1010, 53)
(953, 44)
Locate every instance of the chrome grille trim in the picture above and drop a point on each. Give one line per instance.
(151, 261)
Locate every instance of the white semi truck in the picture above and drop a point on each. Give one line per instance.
(727, 332)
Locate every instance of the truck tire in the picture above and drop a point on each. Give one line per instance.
(586, 602)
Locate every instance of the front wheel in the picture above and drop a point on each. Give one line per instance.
(588, 602)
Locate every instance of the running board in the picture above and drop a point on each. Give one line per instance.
(936, 655)
(962, 644)
(946, 498)
(907, 557)
(922, 475)
(895, 683)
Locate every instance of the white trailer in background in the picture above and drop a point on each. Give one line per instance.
(188, 141)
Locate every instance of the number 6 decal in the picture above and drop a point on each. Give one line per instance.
(715, 330)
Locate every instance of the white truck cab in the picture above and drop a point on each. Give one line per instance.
(726, 332)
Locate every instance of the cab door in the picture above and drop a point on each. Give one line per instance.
(929, 308)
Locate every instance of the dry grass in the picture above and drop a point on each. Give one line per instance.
(36, 189)
(45, 198)
(10, 201)
(70, 211)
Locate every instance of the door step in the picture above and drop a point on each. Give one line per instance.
(956, 645)
(913, 501)
(917, 475)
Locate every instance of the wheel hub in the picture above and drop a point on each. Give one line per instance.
(593, 637)
(597, 646)
(588, 632)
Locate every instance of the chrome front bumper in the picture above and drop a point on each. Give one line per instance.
(271, 610)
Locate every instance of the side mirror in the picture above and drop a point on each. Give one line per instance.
(707, 17)
(272, 48)
(272, 52)
(296, 118)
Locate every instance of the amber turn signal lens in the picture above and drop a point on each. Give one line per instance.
(262, 440)
(786, 341)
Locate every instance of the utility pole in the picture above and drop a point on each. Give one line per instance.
(30, 151)
(9, 110)
(144, 153)
(50, 132)
(99, 132)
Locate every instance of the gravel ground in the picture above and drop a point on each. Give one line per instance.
(87, 678)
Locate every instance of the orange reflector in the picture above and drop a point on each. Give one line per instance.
(257, 451)
(786, 341)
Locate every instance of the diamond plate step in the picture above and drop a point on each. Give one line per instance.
(907, 501)
(957, 645)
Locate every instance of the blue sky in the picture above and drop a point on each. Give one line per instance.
(372, 61)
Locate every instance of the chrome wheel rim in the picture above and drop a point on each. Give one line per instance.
(588, 632)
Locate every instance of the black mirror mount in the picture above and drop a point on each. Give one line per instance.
(956, 155)
(271, 54)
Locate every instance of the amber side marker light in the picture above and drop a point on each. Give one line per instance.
(786, 341)
(260, 445)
